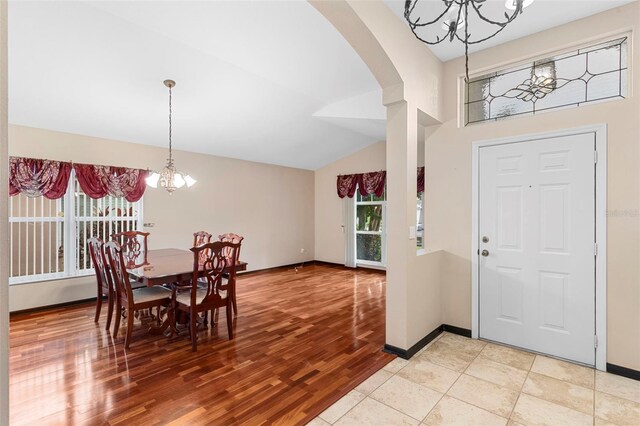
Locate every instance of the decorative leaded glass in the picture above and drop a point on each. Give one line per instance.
(594, 73)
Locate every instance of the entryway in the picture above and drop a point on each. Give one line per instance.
(536, 228)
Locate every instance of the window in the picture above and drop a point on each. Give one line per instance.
(593, 74)
(370, 229)
(48, 238)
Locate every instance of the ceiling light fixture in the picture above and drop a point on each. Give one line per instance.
(169, 178)
(455, 21)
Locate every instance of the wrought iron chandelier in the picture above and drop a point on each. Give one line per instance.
(454, 19)
(170, 178)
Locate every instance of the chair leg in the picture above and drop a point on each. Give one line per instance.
(98, 306)
(116, 326)
(127, 338)
(193, 322)
(109, 312)
(233, 300)
(229, 327)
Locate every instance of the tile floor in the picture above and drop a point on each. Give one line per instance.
(460, 381)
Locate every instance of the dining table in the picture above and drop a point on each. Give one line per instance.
(167, 266)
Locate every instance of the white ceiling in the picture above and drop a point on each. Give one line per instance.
(267, 81)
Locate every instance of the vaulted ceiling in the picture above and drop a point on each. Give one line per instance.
(267, 81)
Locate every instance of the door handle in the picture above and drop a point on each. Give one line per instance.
(485, 253)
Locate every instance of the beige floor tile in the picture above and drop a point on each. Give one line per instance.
(447, 355)
(600, 422)
(428, 374)
(470, 346)
(617, 410)
(344, 404)
(407, 397)
(559, 392)
(317, 422)
(485, 395)
(618, 386)
(512, 423)
(395, 365)
(373, 382)
(450, 411)
(506, 355)
(533, 411)
(500, 374)
(572, 373)
(374, 413)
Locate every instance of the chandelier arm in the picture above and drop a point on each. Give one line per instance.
(414, 24)
(480, 40)
(509, 18)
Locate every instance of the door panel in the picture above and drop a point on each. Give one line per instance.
(537, 210)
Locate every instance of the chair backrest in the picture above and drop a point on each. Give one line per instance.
(134, 246)
(119, 273)
(201, 237)
(100, 265)
(232, 238)
(210, 263)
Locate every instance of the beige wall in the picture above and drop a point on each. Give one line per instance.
(329, 238)
(448, 178)
(272, 206)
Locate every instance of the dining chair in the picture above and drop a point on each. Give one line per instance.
(128, 298)
(217, 292)
(235, 239)
(103, 279)
(201, 237)
(134, 245)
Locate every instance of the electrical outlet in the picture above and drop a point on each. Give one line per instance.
(302, 250)
(149, 225)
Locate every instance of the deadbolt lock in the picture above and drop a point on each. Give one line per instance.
(485, 239)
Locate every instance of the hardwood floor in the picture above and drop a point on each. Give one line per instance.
(302, 341)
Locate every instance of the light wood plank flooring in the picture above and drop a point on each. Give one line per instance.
(303, 340)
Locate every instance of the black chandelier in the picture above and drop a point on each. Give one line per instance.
(454, 19)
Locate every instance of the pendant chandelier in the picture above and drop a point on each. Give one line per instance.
(169, 177)
(454, 22)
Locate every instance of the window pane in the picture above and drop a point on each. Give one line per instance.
(369, 247)
(369, 218)
(566, 80)
(36, 236)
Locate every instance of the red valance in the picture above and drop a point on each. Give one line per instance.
(372, 183)
(347, 185)
(369, 183)
(100, 181)
(37, 178)
(50, 179)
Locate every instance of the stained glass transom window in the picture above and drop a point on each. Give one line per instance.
(595, 73)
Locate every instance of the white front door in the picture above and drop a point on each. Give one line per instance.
(536, 245)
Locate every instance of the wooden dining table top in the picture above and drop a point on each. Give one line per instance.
(167, 266)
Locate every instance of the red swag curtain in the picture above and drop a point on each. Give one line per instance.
(369, 183)
(347, 185)
(36, 178)
(372, 183)
(99, 181)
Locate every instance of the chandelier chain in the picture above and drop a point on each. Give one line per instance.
(170, 157)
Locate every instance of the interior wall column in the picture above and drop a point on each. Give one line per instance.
(4, 223)
(402, 128)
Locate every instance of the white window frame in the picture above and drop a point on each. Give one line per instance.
(70, 220)
(382, 233)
